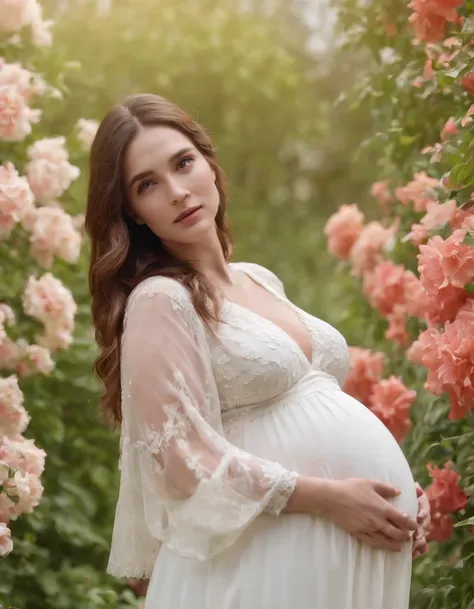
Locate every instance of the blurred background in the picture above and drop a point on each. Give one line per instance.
(263, 77)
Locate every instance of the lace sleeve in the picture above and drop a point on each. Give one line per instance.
(182, 483)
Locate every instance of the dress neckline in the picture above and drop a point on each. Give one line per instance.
(287, 303)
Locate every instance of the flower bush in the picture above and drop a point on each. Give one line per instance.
(46, 298)
(409, 289)
(40, 244)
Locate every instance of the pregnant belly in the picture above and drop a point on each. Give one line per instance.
(328, 434)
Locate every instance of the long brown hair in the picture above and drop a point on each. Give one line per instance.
(124, 253)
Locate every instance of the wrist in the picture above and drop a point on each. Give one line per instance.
(312, 496)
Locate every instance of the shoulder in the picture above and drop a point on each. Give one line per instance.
(266, 276)
(160, 293)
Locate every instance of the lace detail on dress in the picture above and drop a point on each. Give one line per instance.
(283, 492)
(183, 484)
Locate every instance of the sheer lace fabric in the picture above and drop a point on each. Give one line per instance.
(182, 483)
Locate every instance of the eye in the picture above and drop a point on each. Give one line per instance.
(186, 162)
(144, 186)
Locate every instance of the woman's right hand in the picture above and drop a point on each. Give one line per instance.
(360, 507)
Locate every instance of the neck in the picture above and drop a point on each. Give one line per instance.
(206, 257)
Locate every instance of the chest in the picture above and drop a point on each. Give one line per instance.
(264, 308)
(256, 358)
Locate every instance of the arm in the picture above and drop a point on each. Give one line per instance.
(209, 490)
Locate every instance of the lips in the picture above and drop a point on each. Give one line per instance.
(187, 212)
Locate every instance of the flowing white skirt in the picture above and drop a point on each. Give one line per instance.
(301, 561)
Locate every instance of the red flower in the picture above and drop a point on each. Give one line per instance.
(391, 401)
(364, 373)
(442, 526)
(445, 494)
(468, 82)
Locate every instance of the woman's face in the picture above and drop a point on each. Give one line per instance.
(170, 185)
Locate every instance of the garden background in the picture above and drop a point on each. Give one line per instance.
(346, 131)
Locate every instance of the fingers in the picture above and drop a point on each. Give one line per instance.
(422, 514)
(394, 534)
(419, 490)
(387, 491)
(420, 547)
(401, 520)
(379, 542)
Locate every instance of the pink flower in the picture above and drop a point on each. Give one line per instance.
(391, 401)
(365, 371)
(419, 191)
(16, 14)
(367, 250)
(9, 351)
(417, 301)
(6, 543)
(397, 319)
(449, 128)
(452, 42)
(437, 215)
(463, 218)
(13, 417)
(15, 194)
(445, 494)
(34, 359)
(23, 455)
(86, 132)
(446, 262)
(449, 358)
(52, 234)
(49, 172)
(380, 191)
(49, 301)
(16, 117)
(445, 305)
(384, 286)
(343, 229)
(17, 87)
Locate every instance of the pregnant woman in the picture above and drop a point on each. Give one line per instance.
(249, 479)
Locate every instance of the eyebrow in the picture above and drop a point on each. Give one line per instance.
(147, 172)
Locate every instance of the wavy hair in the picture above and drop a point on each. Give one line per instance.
(124, 253)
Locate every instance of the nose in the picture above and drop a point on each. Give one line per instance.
(177, 192)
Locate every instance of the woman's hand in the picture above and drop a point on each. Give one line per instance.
(360, 507)
(420, 545)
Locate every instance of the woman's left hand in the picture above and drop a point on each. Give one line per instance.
(420, 545)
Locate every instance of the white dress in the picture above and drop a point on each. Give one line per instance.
(215, 430)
